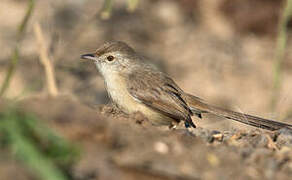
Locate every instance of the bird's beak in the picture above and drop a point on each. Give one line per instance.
(89, 56)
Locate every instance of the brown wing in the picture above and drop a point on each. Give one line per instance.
(160, 93)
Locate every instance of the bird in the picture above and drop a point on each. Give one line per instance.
(135, 85)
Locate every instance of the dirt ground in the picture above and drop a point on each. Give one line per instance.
(221, 51)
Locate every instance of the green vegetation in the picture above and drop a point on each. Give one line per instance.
(15, 55)
(280, 50)
(27, 138)
(108, 4)
(35, 145)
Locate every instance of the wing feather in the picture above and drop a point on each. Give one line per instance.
(160, 93)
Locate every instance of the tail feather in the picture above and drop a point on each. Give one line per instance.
(197, 104)
(249, 119)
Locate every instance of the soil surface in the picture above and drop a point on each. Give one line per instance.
(119, 146)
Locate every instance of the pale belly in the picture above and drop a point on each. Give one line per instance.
(117, 90)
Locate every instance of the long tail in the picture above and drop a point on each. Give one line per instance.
(198, 106)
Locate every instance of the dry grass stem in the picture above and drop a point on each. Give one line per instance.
(45, 60)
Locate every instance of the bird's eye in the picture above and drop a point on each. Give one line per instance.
(110, 58)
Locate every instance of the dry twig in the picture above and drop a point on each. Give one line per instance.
(45, 60)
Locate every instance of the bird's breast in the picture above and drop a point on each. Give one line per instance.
(117, 90)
